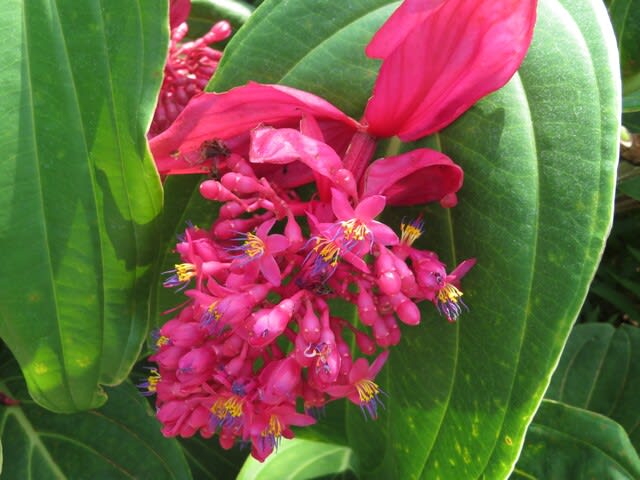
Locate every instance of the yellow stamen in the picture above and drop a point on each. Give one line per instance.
(153, 380)
(367, 390)
(449, 293)
(410, 232)
(231, 406)
(185, 271)
(161, 341)
(253, 246)
(328, 250)
(354, 229)
(274, 428)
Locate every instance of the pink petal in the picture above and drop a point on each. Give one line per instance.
(370, 207)
(231, 115)
(270, 270)
(178, 12)
(440, 57)
(264, 229)
(276, 243)
(341, 206)
(378, 363)
(462, 269)
(359, 370)
(382, 234)
(412, 178)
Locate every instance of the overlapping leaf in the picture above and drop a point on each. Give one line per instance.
(121, 440)
(301, 460)
(600, 371)
(79, 194)
(568, 442)
(539, 158)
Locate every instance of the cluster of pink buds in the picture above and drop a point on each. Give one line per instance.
(258, 332)
(297, 230)
(188, 69)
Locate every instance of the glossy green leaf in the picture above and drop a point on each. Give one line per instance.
(625, 17)
(600, 371)
(183, 205)
(121, 440)
(79, 194)
(204, 13)
(301, 460)
(539, 159)
(565, 442)
(208, 461)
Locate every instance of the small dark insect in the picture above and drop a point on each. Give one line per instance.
(213, 148)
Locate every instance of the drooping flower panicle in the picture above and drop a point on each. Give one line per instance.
(257, 334)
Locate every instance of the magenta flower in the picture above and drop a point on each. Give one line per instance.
(260, 248)
(256, 336)
(440, 57)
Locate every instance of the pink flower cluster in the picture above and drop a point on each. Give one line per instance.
(298, 199)
(189, 66)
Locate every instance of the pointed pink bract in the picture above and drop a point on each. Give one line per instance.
(442, 56)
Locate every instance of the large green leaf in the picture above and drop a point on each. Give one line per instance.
(565, 442)
(121, 440)
(301, 460)
(625, 17)
(600, 371)
(79, 194)
(539, 159)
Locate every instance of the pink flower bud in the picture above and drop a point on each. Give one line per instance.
(188, 335)
(366, 308)
(407, 311)
(265, 325)
(214, 190)
(240, 184)
(231, 210)
(310, 325)
(365, 343)
(280, 380)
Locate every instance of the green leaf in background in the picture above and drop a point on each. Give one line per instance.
(183, 205)
(121, 440)
(631, 102)
(79, 194)
(204, 13)
(565, 442)
(301, 460)
(632, 121)
(539, 159)
(625, 17)
(209, 461)
(631, 187)
(600, 371)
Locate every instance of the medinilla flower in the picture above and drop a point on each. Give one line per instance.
(257, 332)
(189, 65)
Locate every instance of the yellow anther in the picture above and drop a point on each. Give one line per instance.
(410, 232)
(234, 406)
(449, 293)
(354, 229)
(185, 271)
(328, 250)
(231, 406)
(153, 380)
(162, 340)
(274, 428)
(253, 246)
(367, 390)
